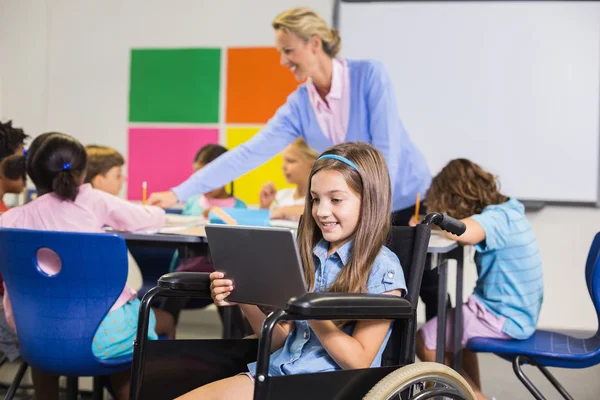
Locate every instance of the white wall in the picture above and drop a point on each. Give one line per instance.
(23, 63)
(78, 83)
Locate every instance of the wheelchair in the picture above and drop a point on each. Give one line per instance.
(166, 369)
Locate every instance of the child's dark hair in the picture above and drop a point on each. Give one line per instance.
(56, 163)
(11, 138)
(208, 153)
(462, 189)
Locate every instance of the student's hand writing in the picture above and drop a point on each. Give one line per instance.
(277, 213)
(267, 195)
(220, 288)
(414, 222)
(163, 199)
(206, 212)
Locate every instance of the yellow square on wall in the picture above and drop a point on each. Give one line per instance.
(247, 187)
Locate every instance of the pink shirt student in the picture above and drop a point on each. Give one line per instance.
(334, 114)
(90, 212)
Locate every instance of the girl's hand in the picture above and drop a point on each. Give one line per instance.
(220, 288)
(414, 221)
(277, 213)
(206, 212)
(267, 195)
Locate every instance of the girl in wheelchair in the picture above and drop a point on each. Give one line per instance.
(56, 163)
(341, 239)
(508, 294)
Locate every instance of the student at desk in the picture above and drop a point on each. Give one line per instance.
(195, 206)
(105, 172)
(340, 252)
(12, 180)
(56, 164)
(288, 203)
(508, 294)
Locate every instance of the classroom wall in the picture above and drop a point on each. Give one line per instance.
(89, 58)
(54, 50)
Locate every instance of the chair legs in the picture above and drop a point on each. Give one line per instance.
(140, 342)
(17, 381)
(72, 387)
(519, 360)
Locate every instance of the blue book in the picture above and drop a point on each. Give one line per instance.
(243, 216)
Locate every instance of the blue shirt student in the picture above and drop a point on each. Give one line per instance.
(302, 351)
(509, 266)
(373, 119)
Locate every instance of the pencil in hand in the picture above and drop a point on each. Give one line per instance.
(417, 206)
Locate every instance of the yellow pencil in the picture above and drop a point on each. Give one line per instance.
(417, 205)
(144, 188)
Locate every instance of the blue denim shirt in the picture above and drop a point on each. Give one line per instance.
(302, 352)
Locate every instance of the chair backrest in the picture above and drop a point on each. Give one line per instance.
(410, 245)
(57, 316)
(592, 275)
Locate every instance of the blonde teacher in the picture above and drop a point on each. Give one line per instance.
(341, 101)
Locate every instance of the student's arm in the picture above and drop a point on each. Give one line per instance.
(473, 235)
(385, 125)
(358, 350)
(256, 318)
(288, 212)
(280, 131)
(122, 215)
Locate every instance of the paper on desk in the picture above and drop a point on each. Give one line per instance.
(284, 223)
(183, 220)
(194, 230)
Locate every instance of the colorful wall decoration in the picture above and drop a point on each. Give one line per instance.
(182, 99)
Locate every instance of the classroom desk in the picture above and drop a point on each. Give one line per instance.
(188, 245)
(443, 249)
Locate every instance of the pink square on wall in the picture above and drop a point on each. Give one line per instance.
(163, 157)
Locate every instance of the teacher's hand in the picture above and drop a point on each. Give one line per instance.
(163, 199)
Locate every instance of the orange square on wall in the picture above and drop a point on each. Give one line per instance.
(256, 84)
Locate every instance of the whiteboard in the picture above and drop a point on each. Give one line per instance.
(513, 86)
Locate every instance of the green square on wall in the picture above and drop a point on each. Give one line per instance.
(174, 85)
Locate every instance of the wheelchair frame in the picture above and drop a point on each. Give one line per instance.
(344, 384)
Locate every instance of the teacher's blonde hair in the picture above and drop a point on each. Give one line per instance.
(305, 23)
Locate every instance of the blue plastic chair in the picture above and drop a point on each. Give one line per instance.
(57, 316)
(551, 349)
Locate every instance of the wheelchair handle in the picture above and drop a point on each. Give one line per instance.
(446, 223)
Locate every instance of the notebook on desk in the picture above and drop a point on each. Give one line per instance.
(264, 263)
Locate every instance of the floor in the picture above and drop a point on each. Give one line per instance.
(498, 379)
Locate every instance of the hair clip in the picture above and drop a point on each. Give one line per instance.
(66, 166)
(25, 152)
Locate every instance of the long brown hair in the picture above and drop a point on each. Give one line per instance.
(372, 184)
(462, 189)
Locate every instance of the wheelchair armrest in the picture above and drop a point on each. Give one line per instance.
(349, 306)
(186, 281)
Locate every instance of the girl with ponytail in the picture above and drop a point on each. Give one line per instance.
(56, 164)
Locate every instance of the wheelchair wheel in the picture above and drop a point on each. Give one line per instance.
(427, 379)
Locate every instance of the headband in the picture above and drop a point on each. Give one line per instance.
(339, 158)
